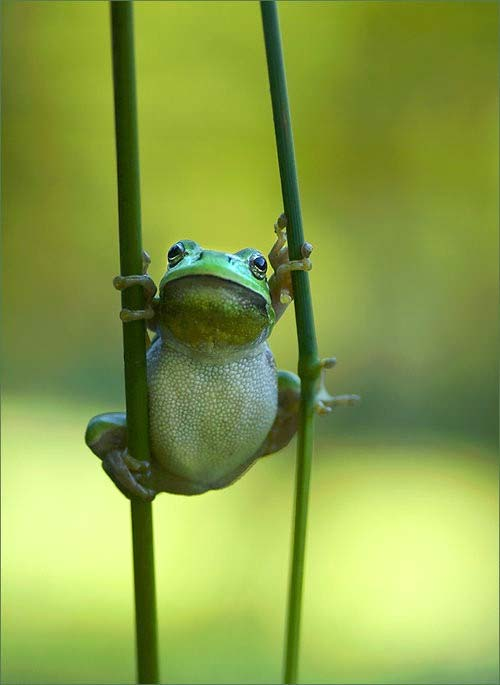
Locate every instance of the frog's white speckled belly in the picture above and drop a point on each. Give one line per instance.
(208, 419)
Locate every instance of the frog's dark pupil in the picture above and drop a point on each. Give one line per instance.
(260, 263)
(176, 251)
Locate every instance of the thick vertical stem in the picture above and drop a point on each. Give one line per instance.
(308, 353)
(134, 347)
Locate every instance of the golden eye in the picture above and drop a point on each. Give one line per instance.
(258, 266)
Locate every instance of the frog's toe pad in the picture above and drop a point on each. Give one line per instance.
(125, 474)
(325, 403)
(127, 315)
(137, 466)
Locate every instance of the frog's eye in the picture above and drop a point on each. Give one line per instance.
(258, 266)
(176, 253)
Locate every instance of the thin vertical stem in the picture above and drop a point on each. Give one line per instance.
(308, 352)
(134, 341)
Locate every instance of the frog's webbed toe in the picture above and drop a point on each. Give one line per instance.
(324, 402)
(130, 475)
(106, 435)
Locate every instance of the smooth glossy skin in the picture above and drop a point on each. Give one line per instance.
(216, 401)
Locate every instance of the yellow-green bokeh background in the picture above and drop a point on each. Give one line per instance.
(395, 111)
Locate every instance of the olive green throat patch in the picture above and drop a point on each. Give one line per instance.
(210, 312)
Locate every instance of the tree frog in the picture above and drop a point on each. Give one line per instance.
(217, 403)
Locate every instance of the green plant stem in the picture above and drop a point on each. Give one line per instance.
(308, 351)
(134, 340)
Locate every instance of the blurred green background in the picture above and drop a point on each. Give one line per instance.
(395, 110)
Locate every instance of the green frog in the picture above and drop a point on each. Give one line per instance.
(217, 403)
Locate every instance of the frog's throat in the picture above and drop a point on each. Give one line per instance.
(211, 315)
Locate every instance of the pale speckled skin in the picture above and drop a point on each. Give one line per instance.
(206, 419)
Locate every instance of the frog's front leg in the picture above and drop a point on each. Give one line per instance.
(106, 436)
(280, 283)
(146, 282)
(285, 423)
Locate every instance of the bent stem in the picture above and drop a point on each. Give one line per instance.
(308, 351)
(134, 340)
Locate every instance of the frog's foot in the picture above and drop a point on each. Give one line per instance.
(106, 435)
(324, 402)
(285, 423)
(280, 283)
(130, 475)
(146, 282)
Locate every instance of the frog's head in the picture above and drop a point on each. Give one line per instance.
(213, 301)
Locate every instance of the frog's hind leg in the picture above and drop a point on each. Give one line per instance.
(106, 435)
(287, 417)
(285, 423)
(107, 432)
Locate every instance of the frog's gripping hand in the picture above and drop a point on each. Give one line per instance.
(106, 436)
(123, 282)
(280, 283)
